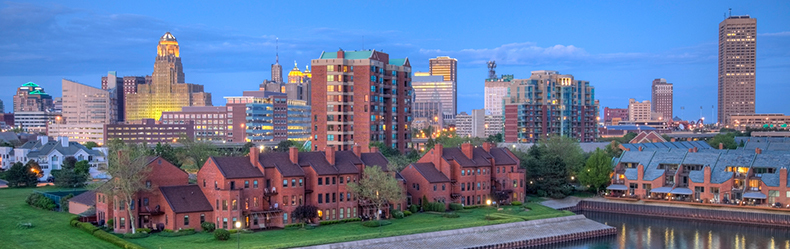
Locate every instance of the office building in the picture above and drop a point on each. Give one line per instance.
(494, 124)
(211, 122)
(444, 66)
(495, 92)
(436, 89)
(149, 131)
(661, 98)
(267, 117)
(549, 103)
(121, 87)
(277, 69)
(639, 111)
(167, 91)
(84, 104)
(737, 52)
(30, 97)
(471, 125)
(613, 116)
(2, 106)
(362, 97)
(758, 121)
(80, 133)
(427, 114)
(35, 122)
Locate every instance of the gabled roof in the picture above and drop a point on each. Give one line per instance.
(236, 167)
(430, 173)
(477, 160)
(645, 136)
(38, 149)
(186, 199)
(88, 198)
(502, 157)
(317, 160)
(375, 159)
(349, 55)
(346, 161)
(282, 162)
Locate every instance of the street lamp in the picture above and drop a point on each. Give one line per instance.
(238, 234)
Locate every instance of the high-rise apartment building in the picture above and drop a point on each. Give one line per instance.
(549, 103)
(639, 111)
(495, 92)
(167, 91)
(447, 68)
(30, 97)
(436, 89)
(661, 98)
(737, 51)
(360, 97)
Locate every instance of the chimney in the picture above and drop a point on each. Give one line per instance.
(706, 175)
(691, 150)
(341, 54)
(673, 140)
(466, 148)
(374, 149)
(758, 151)
(640, 148)
(655, 140)
(783, 177)
(696, 149)
(43, 139)
(254, 154)
(357, 150)
(293, 154)
(721, 146)
(487, 146)
(437, 154)
(330, 154)
(64, 141)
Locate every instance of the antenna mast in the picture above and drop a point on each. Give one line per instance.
(492, 70)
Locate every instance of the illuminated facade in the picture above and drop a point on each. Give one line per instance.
(447, 68)
(360, 97)
(549, 103)
(30, 97)
(84, 104)
(167, 91)
(737, 51)
(756, 121)
(661, 98)
(495, 92)
(436, 89)
(271, 116)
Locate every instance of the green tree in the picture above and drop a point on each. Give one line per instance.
(430, 144)
(398, 162)
(376, 187)
(565, 148)
(23, 175)
(495, 138)
(728, 139)
(385, 150)
(197, 152)
(305, 213)
(613, 149)
(168, 153)
(82, 167)
(551, 179)
(129, 170)
(597, 171)
(91, 144)
(68, 176)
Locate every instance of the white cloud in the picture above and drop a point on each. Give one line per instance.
(783, 33)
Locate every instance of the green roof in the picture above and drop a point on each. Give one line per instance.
(350, 55)
(38, 92)
(397, 62)
(31, 84)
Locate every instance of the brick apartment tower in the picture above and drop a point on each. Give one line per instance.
(360, 97)
(661, 98)
(737, 51)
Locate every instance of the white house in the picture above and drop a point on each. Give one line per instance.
(50, 155)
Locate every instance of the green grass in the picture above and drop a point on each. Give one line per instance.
(50, 229)
(416, 223)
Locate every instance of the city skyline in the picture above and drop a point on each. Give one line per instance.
(230, 56)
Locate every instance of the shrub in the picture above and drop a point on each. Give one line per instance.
(406, 213)
(294, 225)
(40, 201)
(376, 223)
(471, 207)
(178, 233)
(90, 228)
(208, 226)
(74, 223)
(516, 203)
(115, 240)
(221, 234)
(144, 230)
(167, 231)
(451, 215)
(138, 235)
(414, 208)
(398, 214)
(110, 223)
(64, 202)
(351, 220)
(328, 222)
(435, 207)
(456, 206)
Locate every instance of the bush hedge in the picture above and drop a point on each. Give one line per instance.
(88, 227)
(414, 208)
(138, 235)
(471, 207)
(516, 203)
(398, 214)
(208, 226)
(376, 223)
(456, 206)
(221, 234)
(328, 222)
(406, 213)
(294, 225)
(145, 230)
(351, 220)
(435, 206)
(40, 201)
(115, 240)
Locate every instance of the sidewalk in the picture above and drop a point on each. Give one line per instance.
(480, 236)
(566, 202)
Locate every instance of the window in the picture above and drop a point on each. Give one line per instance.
(333, 197)
(224, 204)
(204, 183)
(300, 182)
(285, 200)
(255, 201)
(145, 201)
(320, 200)
(341, 180)
(293, 182)
(255, 184)
(202, 218)
(285, 183)
(148, 184)
(442, 186)
(348, 196)
(341, 213)
(246, 184)
(224, 223)
(320, 181)
(341, 196)
(434, 187)
(326, 180)
(326, 197)
(215, 185)
(186, 220)
(333, 180)
(123, 222)
(293, 200)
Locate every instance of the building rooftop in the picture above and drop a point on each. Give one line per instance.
(186, 199)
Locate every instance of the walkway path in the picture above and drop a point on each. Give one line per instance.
(566, 202)
(480, 236)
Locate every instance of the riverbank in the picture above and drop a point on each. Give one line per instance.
(678, 210)
(510, 235)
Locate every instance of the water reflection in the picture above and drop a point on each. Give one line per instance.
(646, 232)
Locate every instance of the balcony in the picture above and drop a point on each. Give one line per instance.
(267, 192)
(455, 195)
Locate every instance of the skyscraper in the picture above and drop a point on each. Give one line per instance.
(639, 111)
(446, 67)
(436, 89)
(661, 98)
(737, 51)
(167, 90)
(84, 104)
(277, 69)
(30, 97)
(360, 97)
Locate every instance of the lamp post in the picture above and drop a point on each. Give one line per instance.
(488, 202)
(238, 234)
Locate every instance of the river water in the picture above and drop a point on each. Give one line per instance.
(641, 232)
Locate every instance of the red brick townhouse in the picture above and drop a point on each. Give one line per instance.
(262, 189)
(168, 202)
(742, 176)
(466, 175)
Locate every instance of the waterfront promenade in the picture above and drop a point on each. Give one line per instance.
(494, 236)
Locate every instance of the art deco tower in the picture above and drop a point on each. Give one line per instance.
(167, 90)
(277, 69)
(737, 50)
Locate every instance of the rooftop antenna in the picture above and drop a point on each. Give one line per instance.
(363, 42)
(492, 70)
(277, 53)
(730, 11)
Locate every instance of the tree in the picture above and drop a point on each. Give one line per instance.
(68, 175)
(129, 170)
(613, 149)
(305, 213)
(567, 149)
(376, 187)
(197, 151)
(728, 139)
(82, 167)
(502, 195)
(385, 150)
(168, 153)
(552, 178)
(91, 144)
(495, 138)
(398, 163)
(23, 175)
(596, 173)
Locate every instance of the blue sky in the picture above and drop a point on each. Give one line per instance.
(228, 46)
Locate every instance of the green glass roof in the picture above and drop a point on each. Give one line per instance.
(38, 92)
(350, 55)
(397, 62)
(30, 84)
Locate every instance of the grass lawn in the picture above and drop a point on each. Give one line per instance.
(416, 223)
(50, 229)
